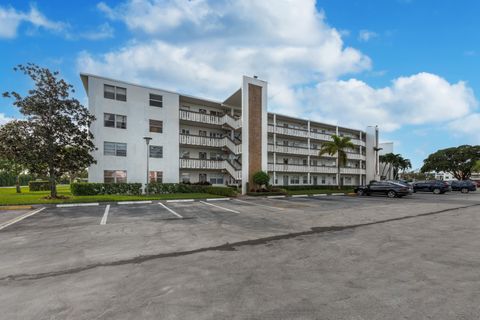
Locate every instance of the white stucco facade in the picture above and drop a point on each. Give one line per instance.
(205, 140)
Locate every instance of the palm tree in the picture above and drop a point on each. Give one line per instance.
(388, 160)
(404, 165)
(337, 146)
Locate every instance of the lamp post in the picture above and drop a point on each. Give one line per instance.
(147, 141)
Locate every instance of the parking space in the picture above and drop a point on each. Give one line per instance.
(59, 242)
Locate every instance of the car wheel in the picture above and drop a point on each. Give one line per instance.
(391, 194)
(360, 193)
(464, 190)
(437, 191)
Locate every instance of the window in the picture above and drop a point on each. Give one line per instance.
(285, 160)
(156, 100)
(216, 179)
(121, 121)
(295, 180)
(185, 177)
(185, 131)
(202, 133)
(216, 135)
(202, 177)
(313, 162)
(115, 93)
(202, 111)
(305, 180)
(314, 146)
(115, 149)
(156, 152)
(185, 155)
(202, 155)
(109, 120)
(215, 156)
(305, 162)
(216, 113)
(323, 180)
(114, 176)
(156, 176)
(156, 126)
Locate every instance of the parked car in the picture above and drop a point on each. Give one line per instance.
(405, 183)
(435, 186)
(388, 188)
(464, 186)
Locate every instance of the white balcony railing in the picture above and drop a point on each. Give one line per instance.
(280, 167)
(210, 119)
(292, 150)
(352, 171)
(355, 156)
(305, 134)
(206, 164)
(211, 142)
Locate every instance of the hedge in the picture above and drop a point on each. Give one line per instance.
(307, 187)
(8, 179)
(39, 185)
(161, 188)
(221, 191)
(92, 189)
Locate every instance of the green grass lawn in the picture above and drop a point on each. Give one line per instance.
(8, 196)
(319, 191)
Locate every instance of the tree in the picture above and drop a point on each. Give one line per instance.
(54, 138)
(337, 146)
(459, 161)
(394, 162)
(12, 168)
(476, 167)
(261, 178)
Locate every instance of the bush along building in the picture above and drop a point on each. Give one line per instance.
(220, 142)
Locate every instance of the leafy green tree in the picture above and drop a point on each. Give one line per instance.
(261, 178)
(476, 167)
(14, 168)
(459, 161)
(54, 138)
(338, 146)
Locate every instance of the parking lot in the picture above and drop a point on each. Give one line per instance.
(324, 257)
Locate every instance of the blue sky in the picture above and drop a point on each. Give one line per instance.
(409, 66)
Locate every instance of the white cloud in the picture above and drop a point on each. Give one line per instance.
(104, 31)
(10, 20)
(207, 45)
(204, 47)
(366, 35)
(467, 126)
(4, 119)
(417, 99)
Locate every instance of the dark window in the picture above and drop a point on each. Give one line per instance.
(156, 126)
(156, 100)
(156, 152)
(115, 149)
(109, 120)
(202, 155)
(202, 111)
(114, 176)
(115, 93)
(121, 121)
(156, 176)
(109, 92)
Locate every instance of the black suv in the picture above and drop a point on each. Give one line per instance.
(464, 186)
(390, 189)
(435, 186)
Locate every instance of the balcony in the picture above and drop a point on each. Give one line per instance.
(288, 131)
(210, 164)
(210, 119)
(292, 150)
(225, 142)
(355, 156)
(358, 142)
(280, 167)
(352, 171)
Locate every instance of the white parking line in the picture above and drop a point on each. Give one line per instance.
(258, 204)
(134, 202)
(320, 195)
(299, 195)
(217, 199)
(105, 215)
(20, 218)
(180, 200)
(338, 194)
(170, 210)
(67, 205)
(223, 208)
(274, 197)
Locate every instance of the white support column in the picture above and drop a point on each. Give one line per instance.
(337, 159)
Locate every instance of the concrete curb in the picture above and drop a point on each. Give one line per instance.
(17, 207)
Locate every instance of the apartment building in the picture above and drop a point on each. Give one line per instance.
(191, 139)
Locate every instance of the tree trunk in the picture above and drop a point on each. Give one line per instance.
(17, 184)
(53, 186)
(339, 182)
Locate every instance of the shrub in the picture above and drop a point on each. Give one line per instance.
(161, 188)
(221, 191)
(306, 187)
(39, 185)
(261, 178)
(91, 189)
